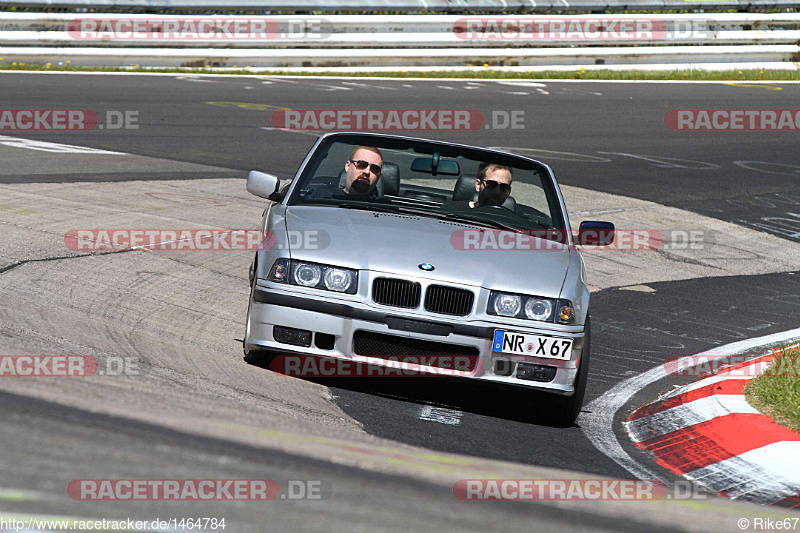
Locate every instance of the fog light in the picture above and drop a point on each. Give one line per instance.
(531, 372)
(297, 337)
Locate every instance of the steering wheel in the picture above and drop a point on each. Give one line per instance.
(511, 215)
(493, 207)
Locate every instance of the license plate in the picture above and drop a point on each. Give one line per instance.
(535, 345)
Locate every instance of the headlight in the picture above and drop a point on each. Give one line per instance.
(506, 305)
(314, 275)
(531, 308)
(538, 309)
(307, 275)
(338, 279)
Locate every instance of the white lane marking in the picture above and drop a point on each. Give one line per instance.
(552, 154)
(301, 132)
(668, 162)
(21, 495)
(446, 87)
(619, 210)
(440, 415)
(328, 88)
(42, 146)
(522, 83)
(368, 86)
(598, 423)
(521, 93)
(765, 475)
(752, 165)
(194, 79)
(687, 414)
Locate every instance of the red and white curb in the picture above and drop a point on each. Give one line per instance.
(707, 432)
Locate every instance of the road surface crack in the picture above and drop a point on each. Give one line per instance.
(12, 266)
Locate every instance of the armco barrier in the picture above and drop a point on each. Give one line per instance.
(402, 6)
(399, 41)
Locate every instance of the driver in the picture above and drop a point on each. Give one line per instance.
(493, 184)
(363, 170)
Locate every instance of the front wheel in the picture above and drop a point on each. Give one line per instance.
(567, 408)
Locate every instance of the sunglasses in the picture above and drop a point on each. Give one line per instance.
(491, 184)
(361, 165)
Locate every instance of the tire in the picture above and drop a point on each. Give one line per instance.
(567, 408)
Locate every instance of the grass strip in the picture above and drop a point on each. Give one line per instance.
(486, 72)
(776, 392)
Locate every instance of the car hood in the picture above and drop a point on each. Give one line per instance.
(389, 243)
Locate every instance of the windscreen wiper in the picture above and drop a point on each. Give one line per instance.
(456, 217)
(480, 220)
(379, 208)
(451, 216)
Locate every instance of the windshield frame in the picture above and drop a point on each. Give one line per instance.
(318, 151)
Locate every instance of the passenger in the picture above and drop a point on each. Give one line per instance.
(493, 184)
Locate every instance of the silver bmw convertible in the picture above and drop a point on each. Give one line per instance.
(447, 259)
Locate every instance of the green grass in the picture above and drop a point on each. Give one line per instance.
(485, 73)
(777, 392)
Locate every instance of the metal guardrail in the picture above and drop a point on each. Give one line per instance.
(399, 40)
(402, 6)
(400, 31)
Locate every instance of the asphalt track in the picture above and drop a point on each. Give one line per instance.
(603, 137)
(599, 122)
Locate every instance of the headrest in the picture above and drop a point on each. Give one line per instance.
(390, 176)
(465, 189)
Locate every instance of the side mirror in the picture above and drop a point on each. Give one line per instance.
(593, 233)
(263, 185)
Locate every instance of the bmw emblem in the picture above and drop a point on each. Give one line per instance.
(427, 267)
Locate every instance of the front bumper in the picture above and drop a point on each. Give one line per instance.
(338, 320)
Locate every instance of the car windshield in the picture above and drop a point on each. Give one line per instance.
(429, 179)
